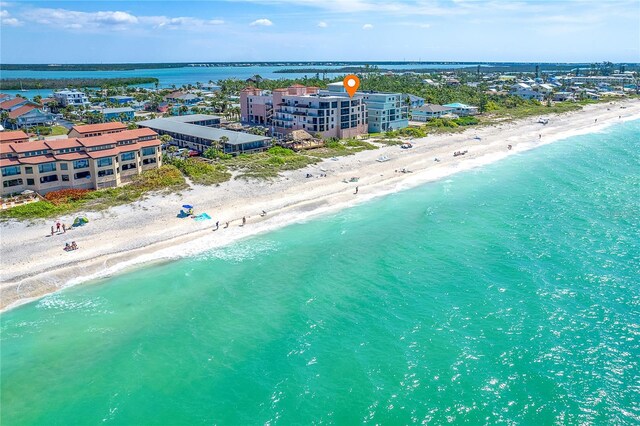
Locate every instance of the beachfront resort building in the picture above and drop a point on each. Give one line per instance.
(92, 162)
(71, 97)
(385, 111)
(200, 132)
(430, 111)
(304, 108)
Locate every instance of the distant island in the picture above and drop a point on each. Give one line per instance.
(61, 83)
(337, 66)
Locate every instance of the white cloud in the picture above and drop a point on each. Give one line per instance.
(114, 20)
(182, 22)
(322, 24)
(425, 25)
(367, 27)
(261, 22)
(6, 19)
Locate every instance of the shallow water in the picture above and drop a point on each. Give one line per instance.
(508, 293)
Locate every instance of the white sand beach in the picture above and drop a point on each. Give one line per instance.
(34, 263)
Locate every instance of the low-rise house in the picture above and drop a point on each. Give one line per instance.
(414, 101)
(94, 162)
(71, 97)
(16, 136)
(89, 130)
(28, 116)
(430, 111)
(182, 98)
(563, 96)
(462, 110)
(527, 94)
(118, 114)
(120, 99)
(15, 103)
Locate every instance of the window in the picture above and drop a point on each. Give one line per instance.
(64, 166)
(148, 161)
(103, 173)
(128, 156)
(82, 175)
(31, 182)
(102, 162)
(65, 178)
(12, 182)
(128, 166)
(28, 170)
(50, 178)
(11, 171)
(81, 164)
(148, 151)
(47, 167)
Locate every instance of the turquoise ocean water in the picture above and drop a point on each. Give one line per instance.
(508, 293)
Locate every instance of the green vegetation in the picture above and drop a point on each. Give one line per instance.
(534, 108)
(61, 83)
(49, 131)
(335, 148)
(166, 178)
(267, 165)
(200, 172)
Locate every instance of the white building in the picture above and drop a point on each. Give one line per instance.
(71, 97)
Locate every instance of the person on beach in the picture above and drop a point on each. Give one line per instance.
(74, 246)
(52, 232)
(509, 147)
(58, 226)
(226, 225)
(540, 136)
(263, 214)
(67, 247)
(356, 190)
(64, 228)
(244, 220)
(217, 225)
(596, 120)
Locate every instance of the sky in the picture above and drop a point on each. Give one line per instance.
(94, 31)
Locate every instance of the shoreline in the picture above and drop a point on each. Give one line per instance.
(147, 231)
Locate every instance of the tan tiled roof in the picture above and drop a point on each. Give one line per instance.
(100, 127)
(12, 136)
(21, 111)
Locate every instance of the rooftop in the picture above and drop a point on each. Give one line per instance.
(208, 133)
(101, 127)
(12, 136)
(117, 110)
(193, 117)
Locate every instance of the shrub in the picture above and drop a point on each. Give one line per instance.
(65, 196)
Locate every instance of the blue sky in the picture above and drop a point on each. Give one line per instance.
(302, 30)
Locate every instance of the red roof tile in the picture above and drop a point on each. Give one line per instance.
(38, 159)
(71, 156)
(101, 127)
(12, 161)
(103, 153)
(21, 111)
(63, 143)
(146, 144)
(13, 136)
(12, 102)
(28, 146)
(113, 138)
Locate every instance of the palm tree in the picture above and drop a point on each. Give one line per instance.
(221, 143)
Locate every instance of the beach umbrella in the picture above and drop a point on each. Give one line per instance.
(187, 206)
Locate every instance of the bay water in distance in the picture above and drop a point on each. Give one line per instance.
(507, 294)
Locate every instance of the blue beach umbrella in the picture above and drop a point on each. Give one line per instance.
(187, 206)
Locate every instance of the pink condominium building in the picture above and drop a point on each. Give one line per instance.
(303, 108)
